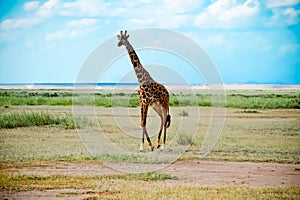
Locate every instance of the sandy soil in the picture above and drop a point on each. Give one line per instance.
(198, 172)
(190, 173)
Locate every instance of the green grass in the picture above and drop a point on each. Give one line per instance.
(263, 101)
(260, 100)
(15, 120)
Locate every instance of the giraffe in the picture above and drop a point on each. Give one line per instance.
(150, 93)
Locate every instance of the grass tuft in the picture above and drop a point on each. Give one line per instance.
(185, 139)
(249, 111)
(184, 113)
(148, 176)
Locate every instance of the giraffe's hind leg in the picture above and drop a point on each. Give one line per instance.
(144, 111)
(162, 114)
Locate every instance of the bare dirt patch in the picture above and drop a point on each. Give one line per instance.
(196, 172)
(235, 173)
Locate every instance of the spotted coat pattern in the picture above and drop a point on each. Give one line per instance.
(150, 92)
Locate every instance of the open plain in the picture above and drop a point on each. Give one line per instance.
(43, 154)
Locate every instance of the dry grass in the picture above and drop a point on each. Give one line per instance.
(38, 182)
(267, 135)
(263, 136)
(141, 186)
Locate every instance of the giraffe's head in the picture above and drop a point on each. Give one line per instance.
(122, 38)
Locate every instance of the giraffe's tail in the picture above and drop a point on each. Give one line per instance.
(168, 121)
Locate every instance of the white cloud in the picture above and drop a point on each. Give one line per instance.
(280, 3)
(136, 21)
(7, 36)
(160, 13)
(146, 1)
(74, 30)
(56, 35)
(284, 17)
(215, 39)
(10, 24)
(75, 33)
(227, 14)
(86, 22)
(42, 13)
(292, 15)
(289, 49)
(169, 21)
(218, 41)
(178, 6)
(84, 8)
(29, 44)
(48, 8)
(173, 21)
(31, 5)
(78, 28)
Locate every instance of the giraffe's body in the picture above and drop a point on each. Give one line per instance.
(150, 93)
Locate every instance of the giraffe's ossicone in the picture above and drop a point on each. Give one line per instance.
(150, 93)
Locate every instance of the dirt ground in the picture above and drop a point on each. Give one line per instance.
(213, 173)
(189, 173)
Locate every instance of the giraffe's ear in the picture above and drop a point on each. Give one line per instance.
(119, 37)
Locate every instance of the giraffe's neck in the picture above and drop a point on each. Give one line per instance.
(142, 74)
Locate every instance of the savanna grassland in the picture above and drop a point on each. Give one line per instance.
(42, 155)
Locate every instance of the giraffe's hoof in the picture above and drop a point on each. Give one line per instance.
(158, 146)
(152, 148)
(142, 148)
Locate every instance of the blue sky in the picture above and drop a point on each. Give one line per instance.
(248, 41)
